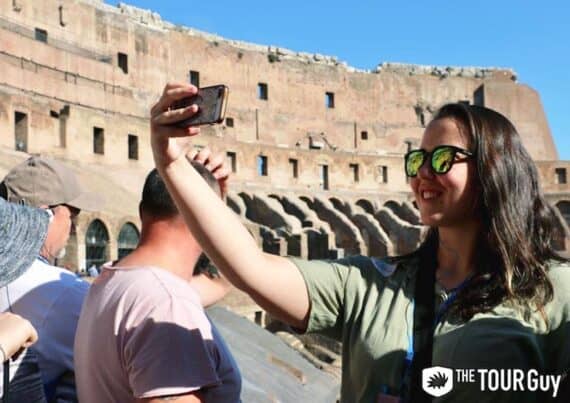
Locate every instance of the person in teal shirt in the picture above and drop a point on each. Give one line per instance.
(502, 294)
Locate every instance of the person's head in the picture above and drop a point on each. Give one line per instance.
(157, 206)
(156, 203)
(443, 174)
(493, 181)
(48, 184)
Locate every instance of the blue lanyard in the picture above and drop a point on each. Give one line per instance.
(450, 299)
(43, 259)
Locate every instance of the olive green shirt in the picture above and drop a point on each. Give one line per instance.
(367, 304)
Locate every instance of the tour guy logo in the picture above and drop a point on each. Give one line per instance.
(439, 381)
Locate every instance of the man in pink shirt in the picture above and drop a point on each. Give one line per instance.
(143, 335)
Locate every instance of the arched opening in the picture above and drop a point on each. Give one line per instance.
(366, 205)
(337, 203)
(392, 205)
(128, 239)
(96, 244)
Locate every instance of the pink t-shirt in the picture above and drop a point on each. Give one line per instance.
(143, 333)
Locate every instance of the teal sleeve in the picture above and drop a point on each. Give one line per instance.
(325, 282)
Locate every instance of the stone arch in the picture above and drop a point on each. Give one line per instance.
(347, 234)
(306, 199)
(300, 209)
(392, 204)
(404, 210)
(340, 205)
(269, 211)
(336, 201)
(376, 239)
(96, 244)
(404, 236)
(366, 205)
(236, 203)
(127, 240)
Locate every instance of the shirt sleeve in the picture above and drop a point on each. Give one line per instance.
(167, 353)
(325, 282)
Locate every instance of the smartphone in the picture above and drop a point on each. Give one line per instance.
(211, 103)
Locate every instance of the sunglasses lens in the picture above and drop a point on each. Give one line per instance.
(442, 160)
(414, 162)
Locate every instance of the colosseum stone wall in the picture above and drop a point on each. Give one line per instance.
(316, 146)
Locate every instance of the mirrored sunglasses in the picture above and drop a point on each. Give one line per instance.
(441, 159)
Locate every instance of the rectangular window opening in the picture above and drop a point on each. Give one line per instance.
(230, 122)
(383, 174)
(259, 318)
(479, 96)
(98, 140)
(262, 91)
(133, 147)
(329, 100)
(364, 135)
(41, 35)
(324, 177)
(561, 176)
(123, 61)
(21, 131)
(233, 160)
(355, 173)
(262, 168)
(194, 78)
(294, 164)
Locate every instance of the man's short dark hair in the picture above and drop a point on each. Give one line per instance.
(156, 200)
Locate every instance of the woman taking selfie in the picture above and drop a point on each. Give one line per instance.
(485, 290)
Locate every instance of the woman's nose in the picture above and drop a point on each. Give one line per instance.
(425, 171)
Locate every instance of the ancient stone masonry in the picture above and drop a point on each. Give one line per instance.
(316, 145)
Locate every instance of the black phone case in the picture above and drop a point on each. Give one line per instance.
(211, 106)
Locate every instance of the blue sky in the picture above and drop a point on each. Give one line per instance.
(531, 37)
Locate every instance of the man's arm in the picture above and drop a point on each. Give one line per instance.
(210, 289)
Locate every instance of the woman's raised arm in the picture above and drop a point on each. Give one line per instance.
(272, 281)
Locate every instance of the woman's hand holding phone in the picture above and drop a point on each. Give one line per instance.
(166, 146)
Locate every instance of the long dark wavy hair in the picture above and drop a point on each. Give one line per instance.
(514, 247)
